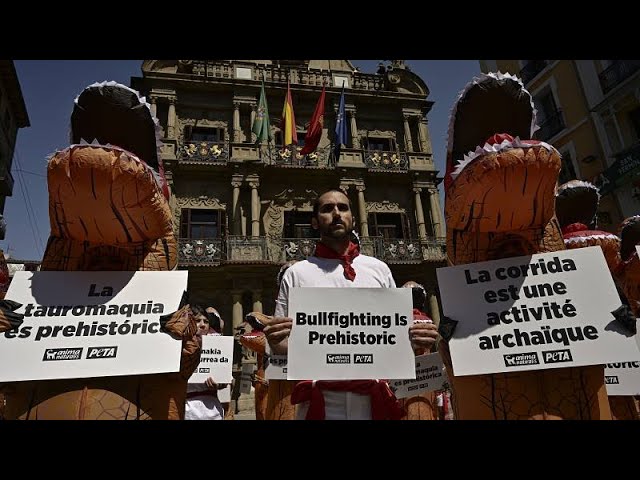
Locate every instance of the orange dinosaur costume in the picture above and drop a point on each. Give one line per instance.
(500, 195)
(576, 206)
(109, 210)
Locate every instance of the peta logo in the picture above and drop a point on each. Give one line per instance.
(557, 356)
(338, 358)
(53, 354)
(362, 358)
(520, 359)
(611, 380)
(102, 352)
(204, 370)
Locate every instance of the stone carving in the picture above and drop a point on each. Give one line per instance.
(384, 207)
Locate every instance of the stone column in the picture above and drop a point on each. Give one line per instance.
(438, 227)
(171, 120)
(152, 102)
(257, 300)
(362, 211)
(355, 141)
(433, 307)
(238, 316)
(253, 119)
(236, 121)
(407, 134)
(422, 231)
(423, 132)
(235, 212)
(255, 208)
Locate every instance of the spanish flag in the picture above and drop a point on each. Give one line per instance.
(288, 126)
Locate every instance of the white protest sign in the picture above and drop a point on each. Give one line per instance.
(216, 359)
(276, 368)
(224, 394)
(622, 378)
(430, 376)
(350, 333)
(245, 378)
(536, 312)
(91, 324)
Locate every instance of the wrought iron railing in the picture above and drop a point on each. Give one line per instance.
(203, 252)
(211, 252)
(551, 126)
(386, 160)
(204, 152)
(618, 71)
(277, 74)
(290, 157)
(531, 69)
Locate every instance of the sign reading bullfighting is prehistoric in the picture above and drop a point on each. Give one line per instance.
(550, 310)
(216, 359)
(430, 376)
(350, 333)
(622, 378)
(91, 324)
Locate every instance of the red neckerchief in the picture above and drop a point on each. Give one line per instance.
(420, 315)
(353, 251)
(384, 404)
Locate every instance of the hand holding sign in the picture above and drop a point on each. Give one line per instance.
(423, 335)
(277, 333)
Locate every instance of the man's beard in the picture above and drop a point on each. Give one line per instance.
(337, 234)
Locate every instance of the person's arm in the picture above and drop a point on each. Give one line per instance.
(278, 330)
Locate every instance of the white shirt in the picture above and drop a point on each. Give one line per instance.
(329, 272)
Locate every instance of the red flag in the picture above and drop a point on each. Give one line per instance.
(288, 126)
(314, 132)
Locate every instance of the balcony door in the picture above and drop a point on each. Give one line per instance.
(297, 224)
(389, 226)
(202, 223)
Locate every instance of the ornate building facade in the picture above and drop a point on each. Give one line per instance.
(243, 208)
(13, 115)
(590, 111)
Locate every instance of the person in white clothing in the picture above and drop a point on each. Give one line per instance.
(337, 262)
(202, 398)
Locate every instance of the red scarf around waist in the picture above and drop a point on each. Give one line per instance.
(353, 251)
(384, 404)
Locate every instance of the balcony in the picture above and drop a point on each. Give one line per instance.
(205, 252)
(278, 74)
(398, 251)
(618, 71)
(201, 152)
(386, 161)
(6, 182)
(236, 249)
(551, 126)
(290, 157)
(531, 69)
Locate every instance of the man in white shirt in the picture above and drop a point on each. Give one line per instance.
(338, 263)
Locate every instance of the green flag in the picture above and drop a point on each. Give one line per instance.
(261, 126)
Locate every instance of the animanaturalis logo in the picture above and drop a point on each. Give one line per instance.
(338, 358)
(54, 354)
(520, 359)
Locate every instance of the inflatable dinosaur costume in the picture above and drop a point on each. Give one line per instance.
(500, 196)
(109, 210)
(628, 272)
(254, 340)
(576, 206)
